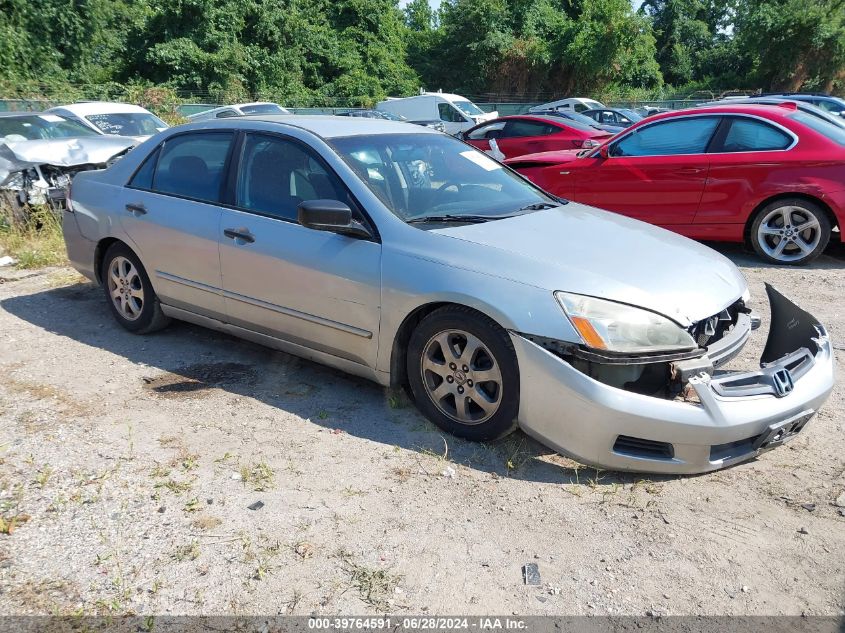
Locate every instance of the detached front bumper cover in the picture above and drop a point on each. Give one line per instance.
(738, 414)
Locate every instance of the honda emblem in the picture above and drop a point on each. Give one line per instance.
(783, 382)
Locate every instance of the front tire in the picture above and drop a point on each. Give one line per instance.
(790, 231)
(129, 293)
(463, 374)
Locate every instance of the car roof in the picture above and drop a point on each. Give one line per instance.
(756, 109)
(100, 107)
(14, 114)
(328, 126)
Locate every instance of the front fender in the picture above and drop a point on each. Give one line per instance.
(410, 282)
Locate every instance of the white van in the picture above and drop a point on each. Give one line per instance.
(574, 104)
(456, 112)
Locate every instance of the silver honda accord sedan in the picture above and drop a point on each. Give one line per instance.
(403, 255)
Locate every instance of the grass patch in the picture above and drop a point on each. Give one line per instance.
(35, 242)
(258, 475)
(375, 586)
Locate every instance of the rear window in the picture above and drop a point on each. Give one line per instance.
(825, 128)
(264, 108)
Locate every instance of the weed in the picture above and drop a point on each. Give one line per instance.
(9, 525)
(160, 471)
(322, 415)
(35, 242)
(42, 476)
(258, 475)
(373, 585)
(189, 551)
(176, 487)
(193, 505)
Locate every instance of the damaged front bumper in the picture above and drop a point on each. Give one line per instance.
(729, 417)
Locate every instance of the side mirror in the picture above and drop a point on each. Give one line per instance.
(330, 215)
(604, 152)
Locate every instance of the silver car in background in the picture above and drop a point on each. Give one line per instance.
(403, 255)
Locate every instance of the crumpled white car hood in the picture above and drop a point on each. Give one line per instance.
(16, 156)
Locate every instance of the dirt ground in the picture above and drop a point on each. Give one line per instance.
(130, 466)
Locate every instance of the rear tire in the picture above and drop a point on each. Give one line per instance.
(129, 293)
(463, 374)
(790, 231)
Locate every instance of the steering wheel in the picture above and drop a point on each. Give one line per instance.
(449, 183)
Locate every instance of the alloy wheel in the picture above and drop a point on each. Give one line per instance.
(125, 288)
(789, 233)
(461, 376)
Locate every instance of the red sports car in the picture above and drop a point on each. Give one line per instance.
(525, 134)
(769, 174)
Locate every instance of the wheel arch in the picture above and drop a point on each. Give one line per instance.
(831, 216)
(399, 348)
(100, 252)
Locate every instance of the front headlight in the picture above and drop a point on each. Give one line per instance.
(616, 327)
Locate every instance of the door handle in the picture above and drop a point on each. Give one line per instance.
(239, 234)
(690, 170)
(136, 209)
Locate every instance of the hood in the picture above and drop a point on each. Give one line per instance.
(66, 152)
(584, 250)
(543, 158)
(487, 116)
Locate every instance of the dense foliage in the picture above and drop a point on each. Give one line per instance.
(339, 52)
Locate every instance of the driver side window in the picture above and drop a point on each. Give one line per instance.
(449, 114)
(671, 137)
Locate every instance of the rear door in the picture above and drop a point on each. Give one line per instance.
(313, 288)
(656, 173)
(170, 211)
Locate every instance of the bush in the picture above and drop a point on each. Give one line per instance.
(34, 239)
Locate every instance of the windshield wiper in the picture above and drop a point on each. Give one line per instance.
(539, 206)
(468, 219)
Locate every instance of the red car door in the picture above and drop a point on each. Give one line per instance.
(526, 136)
(656, 173)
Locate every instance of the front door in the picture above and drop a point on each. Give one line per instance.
(313, 288)
(656, 174)
(171, 213)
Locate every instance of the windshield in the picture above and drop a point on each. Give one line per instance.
(420, 175)
(468, 108)
(263, 108)
(633, 116)
(581, 118)
(128, 123)
(41, 126)
(391, 117)
(822, 126)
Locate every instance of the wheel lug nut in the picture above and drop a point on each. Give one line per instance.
(453, 366)
(449, 379)
(465, 368)
(460, 389)
(469, 383)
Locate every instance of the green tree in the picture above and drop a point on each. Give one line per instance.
(793, 43)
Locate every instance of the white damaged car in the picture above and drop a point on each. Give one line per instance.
(40, 153)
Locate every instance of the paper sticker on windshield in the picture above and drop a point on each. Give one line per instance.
(50, 118)
(481, 160)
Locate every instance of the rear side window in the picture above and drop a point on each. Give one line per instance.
(225, 114)
(192, 165)
(528, 128)
(749, 135)
(277, 174)
(668, 138)
(143, 178)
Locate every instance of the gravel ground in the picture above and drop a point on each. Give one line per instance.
(129, 467)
